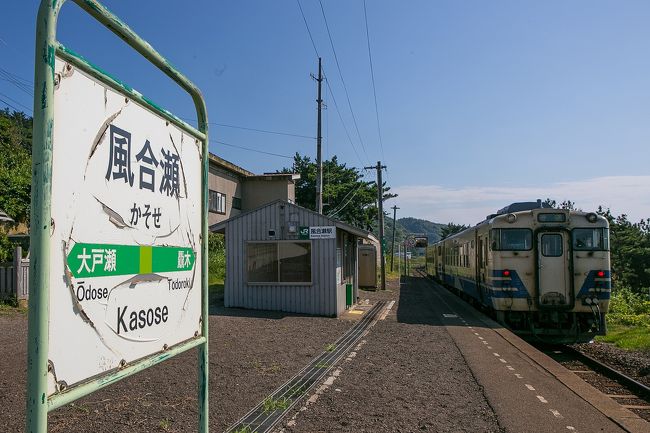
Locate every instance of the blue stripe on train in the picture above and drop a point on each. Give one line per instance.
(590, 282)
(520, 291)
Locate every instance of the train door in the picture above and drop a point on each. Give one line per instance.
(553, 274)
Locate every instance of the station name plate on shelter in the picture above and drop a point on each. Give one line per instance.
(318, 232)
(125, 273)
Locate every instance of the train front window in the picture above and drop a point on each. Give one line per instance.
(591, 239)
(511, 239)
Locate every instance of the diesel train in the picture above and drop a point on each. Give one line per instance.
(542, 272)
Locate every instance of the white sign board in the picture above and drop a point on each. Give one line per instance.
(322, 232)
(125, 257)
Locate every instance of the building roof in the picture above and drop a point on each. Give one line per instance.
(214, 159)
(220, 227)
(249, 175)
(272, 176)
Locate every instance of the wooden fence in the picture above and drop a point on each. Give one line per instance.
(14, 277)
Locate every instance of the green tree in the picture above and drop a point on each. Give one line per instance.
(15, 165)
(629, 251)
(451, 229)
(346, 196)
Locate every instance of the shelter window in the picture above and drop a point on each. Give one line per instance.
(511, 239)
(236, 203)
(217, 202)
(591, 239)
(279, 262)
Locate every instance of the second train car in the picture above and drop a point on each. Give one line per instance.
(542, 272)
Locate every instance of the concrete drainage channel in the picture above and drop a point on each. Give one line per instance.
(266, 415)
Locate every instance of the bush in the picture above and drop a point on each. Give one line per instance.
(216, 258)
(629, 308)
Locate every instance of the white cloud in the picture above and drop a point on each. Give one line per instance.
(470, 204)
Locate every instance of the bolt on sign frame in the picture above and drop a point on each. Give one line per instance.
(39, 368)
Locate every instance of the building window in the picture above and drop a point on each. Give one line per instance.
(236, 203)
(278, 262)
(217, 202)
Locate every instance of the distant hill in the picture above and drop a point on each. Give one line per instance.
(415, 225)
(407, 225)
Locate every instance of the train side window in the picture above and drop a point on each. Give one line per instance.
(591, 239)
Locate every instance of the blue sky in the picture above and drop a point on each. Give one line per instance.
(480, 103)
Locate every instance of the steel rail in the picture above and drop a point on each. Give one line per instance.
(259, 421)
(633, 385)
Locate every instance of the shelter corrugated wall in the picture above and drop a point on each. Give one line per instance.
(319, 298)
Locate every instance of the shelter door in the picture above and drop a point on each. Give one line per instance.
(554, 285)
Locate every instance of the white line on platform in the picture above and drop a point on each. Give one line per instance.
(496, 354)
(519, 376)
(530, 387)
(489, 347)
(542, 399)
(480, 338)
(503, 360)
(571, 428)
(556, 414)
(485, 342)
(476, 333)
(510, 367)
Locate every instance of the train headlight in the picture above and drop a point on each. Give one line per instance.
(588, 301)
(592, 217)
(511, 218)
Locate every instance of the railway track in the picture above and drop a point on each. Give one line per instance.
(623, 389)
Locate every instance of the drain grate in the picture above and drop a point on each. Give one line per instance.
(266, 415)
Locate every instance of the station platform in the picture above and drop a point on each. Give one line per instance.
(435, 363)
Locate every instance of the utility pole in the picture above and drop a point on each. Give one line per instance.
(319, 159)
(392, 248)
(380, 217)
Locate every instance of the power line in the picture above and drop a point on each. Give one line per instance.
(347, 133)
(17, 102)
(372, 75)
(265, 131)
(331, 92)
(20, 83)
(307, 26)
(347, 95)
(9, 105)
(251, 149)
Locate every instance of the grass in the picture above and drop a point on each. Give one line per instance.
(627, 337)
(165, 424)
(245, 429)
(11, 306)
(330, 347)
(297, 391)
(323, 365)
(271, 405)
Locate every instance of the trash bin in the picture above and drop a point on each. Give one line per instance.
(348, 295)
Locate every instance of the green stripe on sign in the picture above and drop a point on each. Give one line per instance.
(145, 260)
(100, 260)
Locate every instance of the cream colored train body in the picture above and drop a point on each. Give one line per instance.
(542, 272)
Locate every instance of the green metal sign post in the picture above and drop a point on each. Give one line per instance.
(96, 258)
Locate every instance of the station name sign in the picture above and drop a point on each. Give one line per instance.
(318, 232)
(125, 274)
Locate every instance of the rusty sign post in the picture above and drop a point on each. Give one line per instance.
(119, 227)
